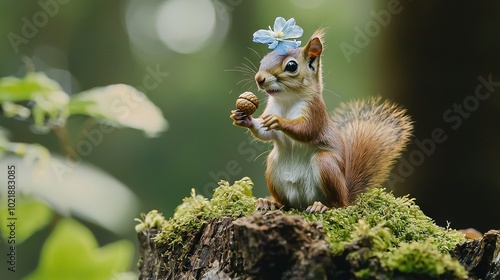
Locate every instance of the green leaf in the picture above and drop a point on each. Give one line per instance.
(14, 89)
(121, 106)
(50, 102)
(71, 252)
(29, 152)
(75, 189)
(32, 215)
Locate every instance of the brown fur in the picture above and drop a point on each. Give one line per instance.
(376, 133)
(333, 182)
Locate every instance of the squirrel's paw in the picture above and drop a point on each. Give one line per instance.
(263, 204)
(271, 122)
(317, 208)
(240, 118)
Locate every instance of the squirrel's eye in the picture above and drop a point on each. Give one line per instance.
(291, 66)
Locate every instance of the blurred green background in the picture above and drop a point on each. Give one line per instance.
(425, 55)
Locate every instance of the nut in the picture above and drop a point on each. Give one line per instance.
(247, 102)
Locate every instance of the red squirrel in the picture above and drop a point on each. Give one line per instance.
(320, 161)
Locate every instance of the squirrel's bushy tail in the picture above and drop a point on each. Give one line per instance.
(374, 134)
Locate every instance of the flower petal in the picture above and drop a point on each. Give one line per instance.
(279, 22)
(281, 48)
(273, 44)
(285, 45)
(289, 23)
(293, 32)
(263, 36)
(292, 44)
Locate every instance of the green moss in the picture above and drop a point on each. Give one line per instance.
(395, 230)
(188, 216)
(381, 210)
(153, 219)
(423, 259)
(377, 229)
(231, 201)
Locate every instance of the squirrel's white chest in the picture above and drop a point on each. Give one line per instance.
(294, 174)
(288, 110)
(292, 166)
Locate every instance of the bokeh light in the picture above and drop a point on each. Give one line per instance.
(186, 26)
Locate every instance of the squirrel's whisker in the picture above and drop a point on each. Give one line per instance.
(247, 70)
(261, 154)
(244, 80)
(240, 70)
(331, 91)
(255, 68)
(256, 53)
(248, 82)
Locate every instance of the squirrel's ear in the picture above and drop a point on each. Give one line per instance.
(312, 51)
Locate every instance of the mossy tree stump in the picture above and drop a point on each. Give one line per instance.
(224, 238)
(261, 246)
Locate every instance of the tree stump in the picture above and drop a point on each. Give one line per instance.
(272, 245)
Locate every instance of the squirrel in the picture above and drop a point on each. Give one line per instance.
(320, 161)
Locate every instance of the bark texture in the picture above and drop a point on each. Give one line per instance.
(271, 245)
(481, 257)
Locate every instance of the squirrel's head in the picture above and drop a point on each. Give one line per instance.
(298, 71)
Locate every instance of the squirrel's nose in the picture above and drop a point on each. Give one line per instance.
(260, 79)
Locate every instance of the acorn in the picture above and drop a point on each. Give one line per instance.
(247, 103)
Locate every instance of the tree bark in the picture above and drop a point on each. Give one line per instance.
(271, 245)
(481, 257)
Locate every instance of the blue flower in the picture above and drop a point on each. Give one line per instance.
(276, 37)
